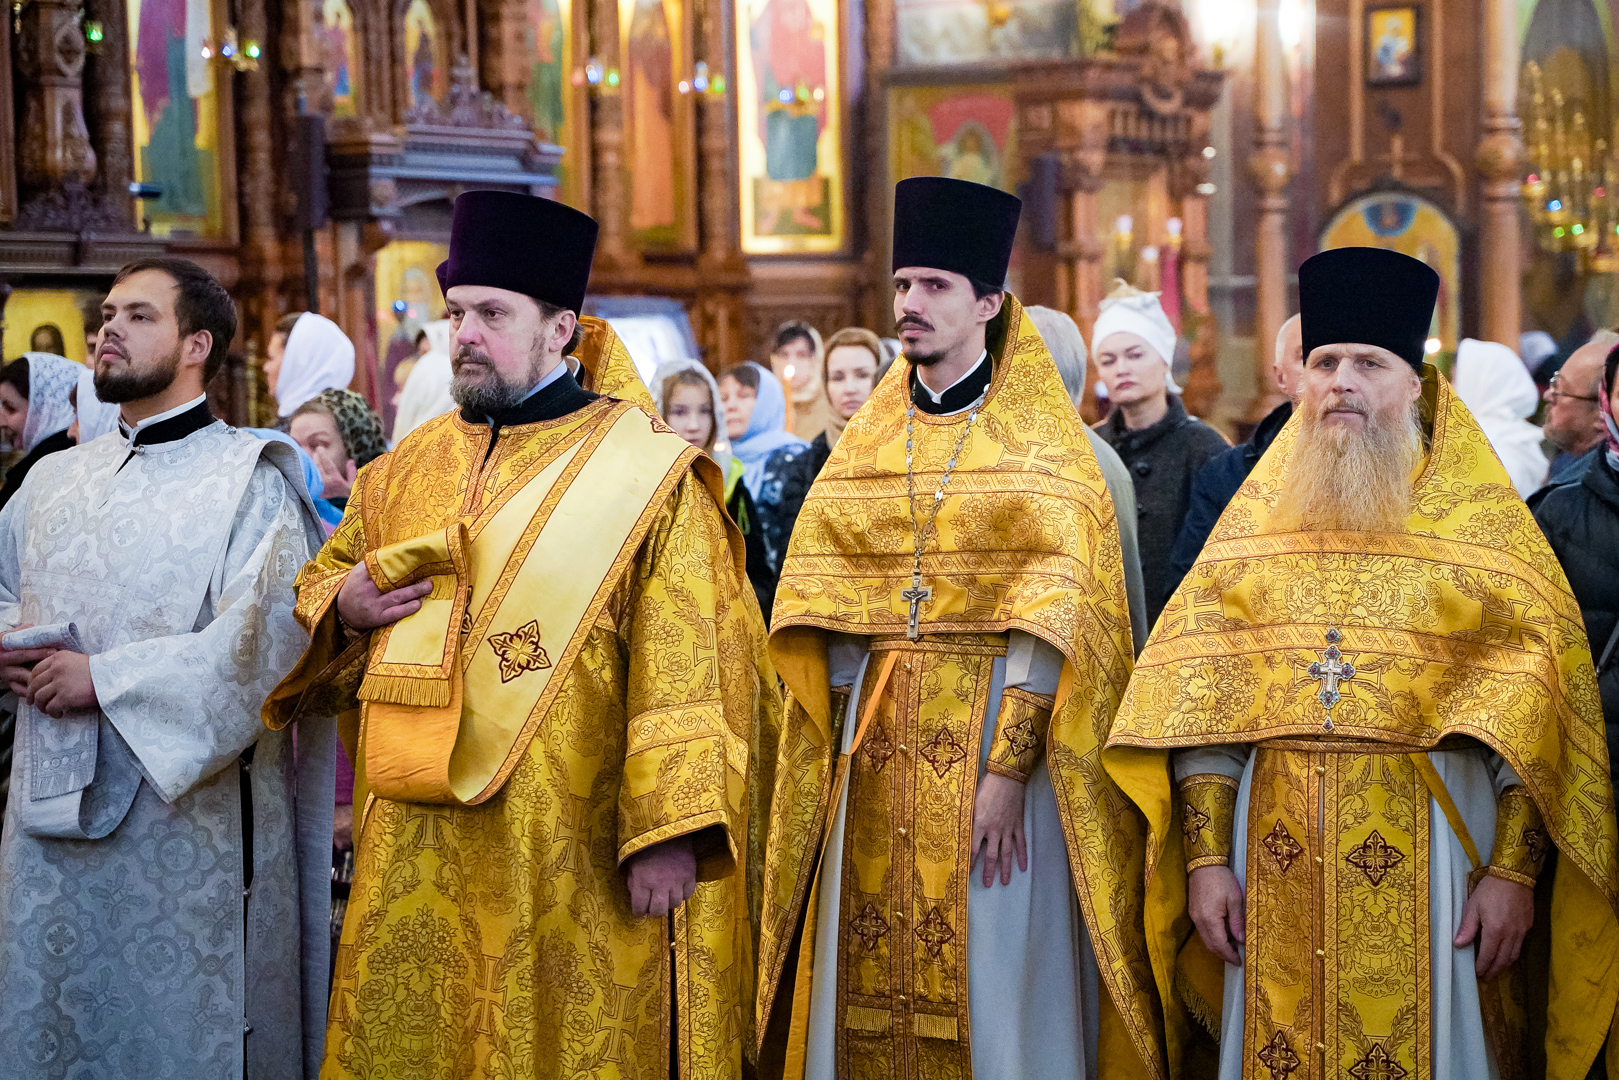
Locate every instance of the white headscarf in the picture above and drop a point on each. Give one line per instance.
(670, 368)
(319, 356)
(426, 392)
(96, 417)
(1498, 390)
(1141, 314)
(51, 379)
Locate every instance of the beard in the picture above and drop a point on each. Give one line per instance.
(917, 359)
(1342, 479)
(493, 393)
(134, 383)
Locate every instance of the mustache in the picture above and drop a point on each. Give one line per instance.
(466, 354)
(1343, 403)
(912, 320)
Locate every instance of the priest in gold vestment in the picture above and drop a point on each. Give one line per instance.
(534, 619)
(1366, 729)
(951, 883)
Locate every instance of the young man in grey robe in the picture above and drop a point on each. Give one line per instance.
(164, 868)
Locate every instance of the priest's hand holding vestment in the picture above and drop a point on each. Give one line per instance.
(363, 606)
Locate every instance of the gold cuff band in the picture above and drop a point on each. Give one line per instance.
(1521, 841)
(1208, 810)
(1020, 734)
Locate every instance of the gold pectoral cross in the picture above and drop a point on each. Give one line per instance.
(914, 596)
(1330, 670)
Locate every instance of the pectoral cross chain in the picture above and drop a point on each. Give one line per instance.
(914, 596)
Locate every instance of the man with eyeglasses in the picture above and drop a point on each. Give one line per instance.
(1572, 422)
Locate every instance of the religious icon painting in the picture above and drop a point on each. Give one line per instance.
(341, 40)
(790, 126)
(427, 61)
(964, 132)
(176, 124)
(660, 123)
(557, 99)
(1393, 46)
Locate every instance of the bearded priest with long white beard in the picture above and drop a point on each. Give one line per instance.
(1364, 722)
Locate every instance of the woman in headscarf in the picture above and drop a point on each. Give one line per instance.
(36, 409)
(688, 399)
(849, 373)
(341, 432)
(312, 354)
(755, 421)
(796, 359)
(1500, 393)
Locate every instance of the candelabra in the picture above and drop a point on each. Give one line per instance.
(1570, 190)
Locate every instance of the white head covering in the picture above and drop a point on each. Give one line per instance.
(671, 368)
(1497, 389)
(96, 417)
(1130, 311)
(51, 379)
(426, 392)
(1535, 346)
(319, 357)
(1066, 345)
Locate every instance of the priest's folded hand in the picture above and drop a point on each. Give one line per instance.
(61, 683)
(17, 664)
(1214, 901)
(1499, 915)
(998, 827)
(661, 877)
(363, 606)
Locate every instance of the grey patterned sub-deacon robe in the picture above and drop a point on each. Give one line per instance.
(131, 944)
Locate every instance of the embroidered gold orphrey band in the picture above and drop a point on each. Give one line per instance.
(510, 606)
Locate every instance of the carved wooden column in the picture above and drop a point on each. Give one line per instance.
(504, 65)
(1271, 169)
(261, 248)
(878, 309)
(304, 89)
(1198, 326)
(611, 195)
(1498, 155)
(722, 273)
(107, 87)
(56, 151)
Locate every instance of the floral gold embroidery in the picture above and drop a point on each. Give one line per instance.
(1282, 846)
(1374, 857)
(520, 651)
(1021, 735)
(1192, 823)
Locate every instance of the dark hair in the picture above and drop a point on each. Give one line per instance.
(16, 374)
(53, 338)
(982, 289)
(1608, 371)
(745, 374)
(551, 311)
(285, 324)
(203, 304)
(417, 340)
(789, 332)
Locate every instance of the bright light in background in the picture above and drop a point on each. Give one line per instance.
(1221, 25)
(1431, 346)
(1290, 23)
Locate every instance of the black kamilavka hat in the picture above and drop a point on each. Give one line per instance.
(538, 247)
(955, 225)
(1367, 296)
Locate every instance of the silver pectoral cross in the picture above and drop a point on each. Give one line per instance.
(914, 596)
(1330, 670)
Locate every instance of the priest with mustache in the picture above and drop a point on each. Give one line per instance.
(1365, 732)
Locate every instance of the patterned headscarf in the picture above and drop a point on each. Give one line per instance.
(51, 379)
(357, 424)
